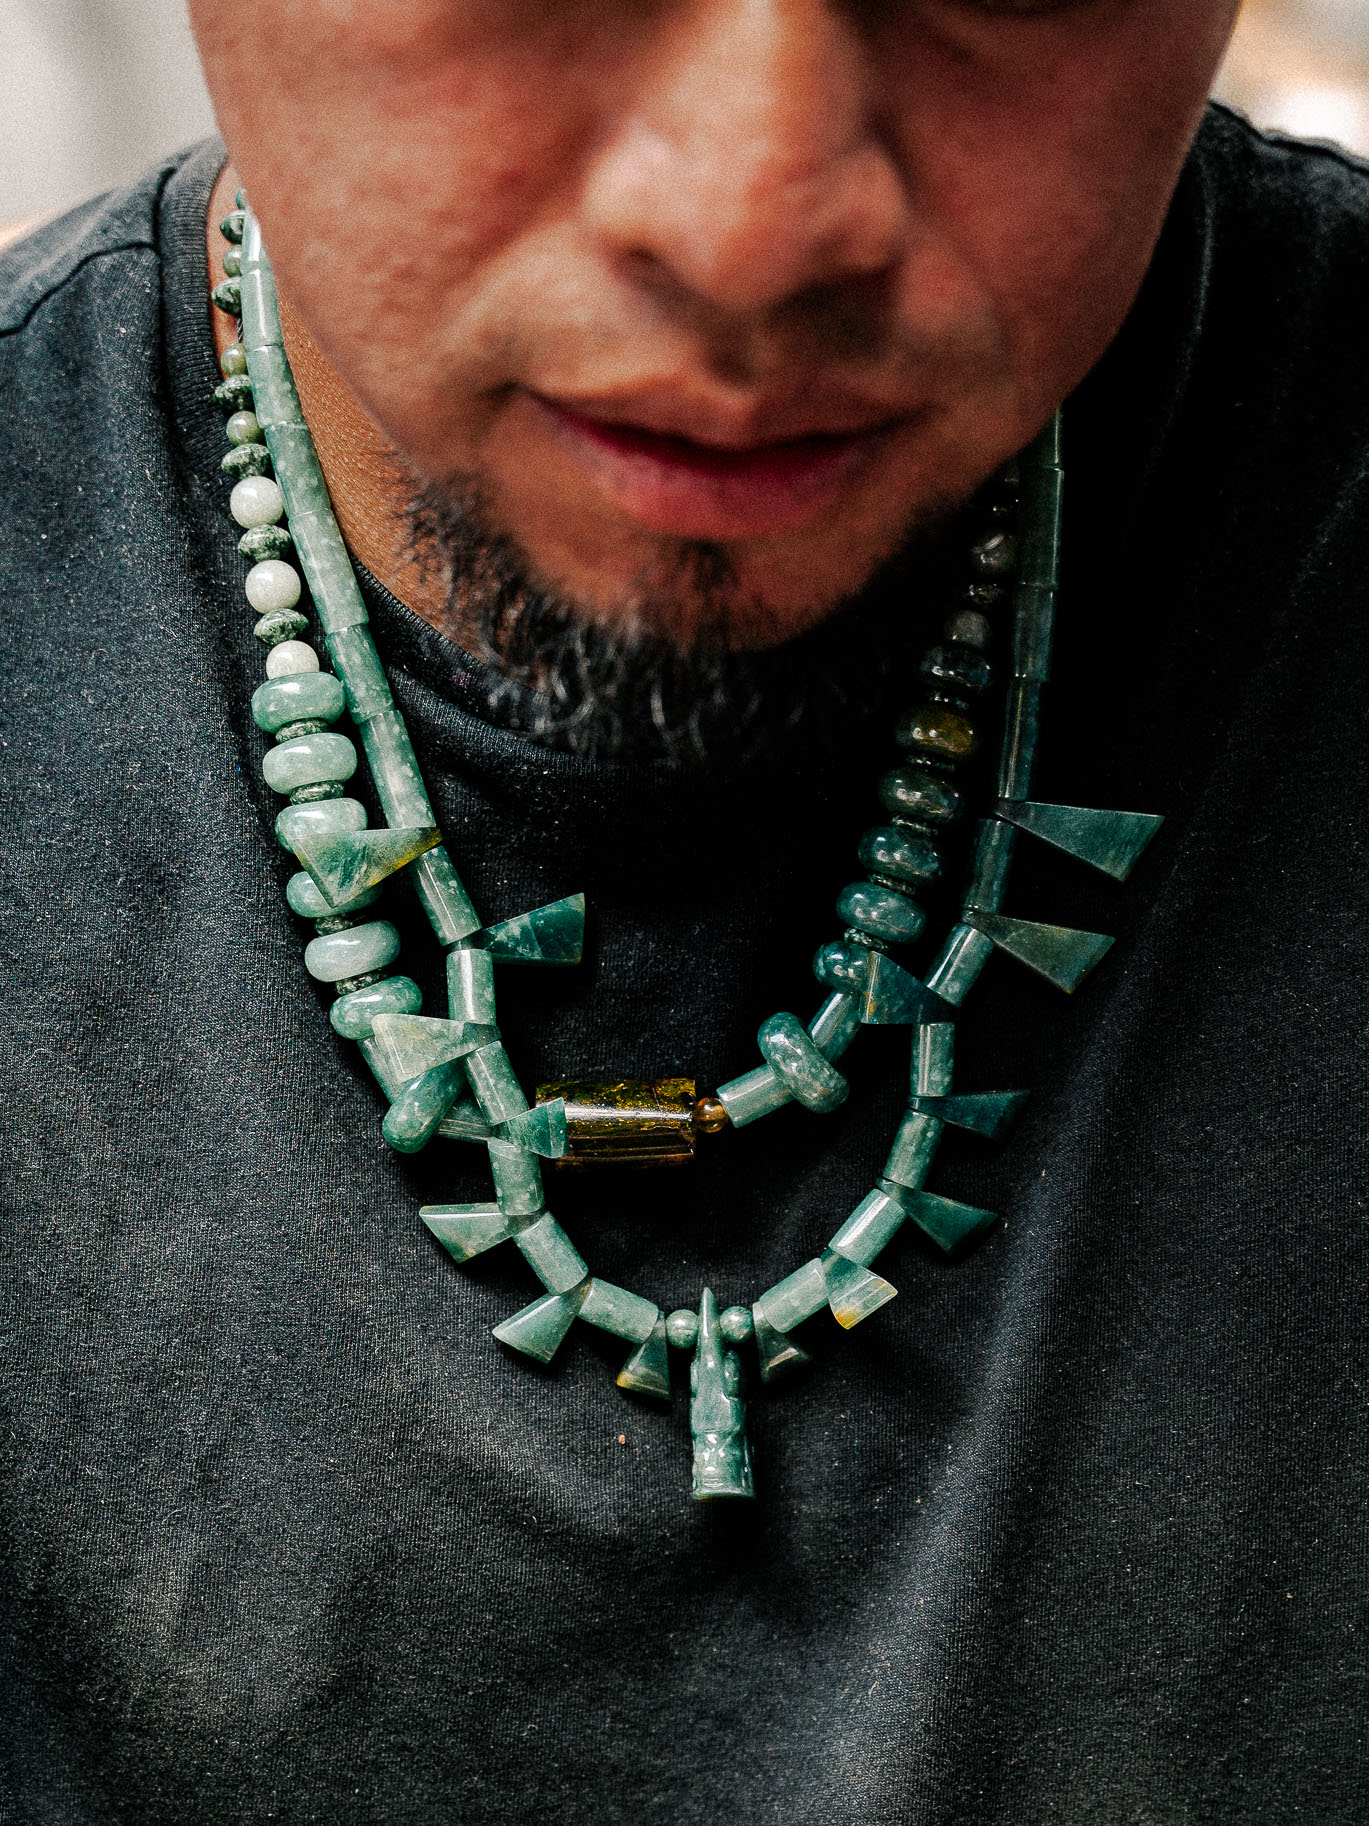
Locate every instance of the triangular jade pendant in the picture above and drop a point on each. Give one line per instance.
(894, 996)
(345, 866)
(647, 1370)
(469, 1230)
(554, 934)
(1111, 841)
(1060, 954)
(418, 1043)
(985, 1112)
(541, 1130)
(777, 1351)
(853, 1292)
(943, 1219)
(538, 1329)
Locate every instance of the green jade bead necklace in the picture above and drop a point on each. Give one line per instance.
(452, 1077)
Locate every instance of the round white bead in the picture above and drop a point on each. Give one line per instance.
(272, 584)
(256, 501)
(291, 656)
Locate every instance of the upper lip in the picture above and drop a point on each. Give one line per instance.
(750, 426)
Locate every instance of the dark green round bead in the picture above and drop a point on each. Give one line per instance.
(228, 297)
(246, 460)
(842, 965)
(994, 557)
(232, 262)
(881, 911)
(243, 428)
(938, 733)
(260, 542)
(232, 225)
(956, 667)
(916, 792)
(968, 628)
(233, 360)
(903, 854)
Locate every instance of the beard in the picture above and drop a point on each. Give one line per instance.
(638, 687)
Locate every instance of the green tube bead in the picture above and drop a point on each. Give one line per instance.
(796, 1298)
(495, 1083)
(354, 656)
(353, 1015)
(835, 1025)
(309, 760)
(871, 1227)
(756, 1093)
(443, 898)
(355, 952)
(957, 969)
(914, 1149)
(394, 769)
(412, 1119)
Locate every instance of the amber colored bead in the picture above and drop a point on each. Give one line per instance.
(937, 732)
(710, 1116)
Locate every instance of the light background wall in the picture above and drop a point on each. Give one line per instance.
(92, 90)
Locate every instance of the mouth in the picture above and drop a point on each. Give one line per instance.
(687, 488)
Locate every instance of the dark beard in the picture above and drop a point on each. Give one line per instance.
(630, 691)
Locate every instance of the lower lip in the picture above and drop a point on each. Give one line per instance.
(696, 491)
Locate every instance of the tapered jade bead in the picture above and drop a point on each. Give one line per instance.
(900, 853)
(302, 894)
(790, 1051)
(352, 1015)
(552, 934)
(355, 952)
(539, 1328)
(647, 1370)
(776, 1350)
(412, 1119)
(853, 1291)
(279, 701)
(880, 912)
(308, 760)
(325, 818)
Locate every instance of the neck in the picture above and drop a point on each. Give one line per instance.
(370, 485)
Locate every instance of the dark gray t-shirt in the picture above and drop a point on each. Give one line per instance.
(1074, 1530)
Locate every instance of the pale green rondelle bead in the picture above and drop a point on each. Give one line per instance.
(355, 952)
(305, 897)
(308, 760)
(301, 696)
(325, 818)
(353, 1015)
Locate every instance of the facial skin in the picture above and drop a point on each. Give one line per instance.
(785, 277)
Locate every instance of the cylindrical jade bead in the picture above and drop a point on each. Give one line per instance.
(353, 1015)
(791, 1052)
(870, 1228)
(352, 953)
(880, 912)
(495, 1084)
(835, 1024)
(293, 698)
(889, 851)
(324, 818)
(308, 760)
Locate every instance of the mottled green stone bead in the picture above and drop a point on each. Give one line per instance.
(259, 543)
(776, 1351)
(682, 1328)
(539, 1328)
(737, 1325)
(551, 1255)
(231, 227)
(919, 793)
(956, 667)
(835, 1025)
(412, 1119)
(957, 969)
(647, 1370)
(234, 392)
(246, 460)
(495, 1084)
(227, 295)
(442, 896)
(903, 854)
(517, 1180)
(871, 1227)
(755, 1094)
(330, 817)
(853, 1291)
(298, 695)
(881, 912)
(233, 360)
(470, 985)
(232, 263)
(938, 732)
(552, 934)
(842, 965)
(614, 1309)
(309, 760)
(353, 1015)
(791, 1053)
(352, 953)
(303, 895)
(279, 626)
(915, 1145)
(796, 1298)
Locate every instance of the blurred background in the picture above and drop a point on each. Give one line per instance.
(92, 90)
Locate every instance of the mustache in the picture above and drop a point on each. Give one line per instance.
(660, 682)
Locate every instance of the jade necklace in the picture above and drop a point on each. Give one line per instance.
(451, 1076)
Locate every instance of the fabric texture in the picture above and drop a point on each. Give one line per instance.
(1074, 1530)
